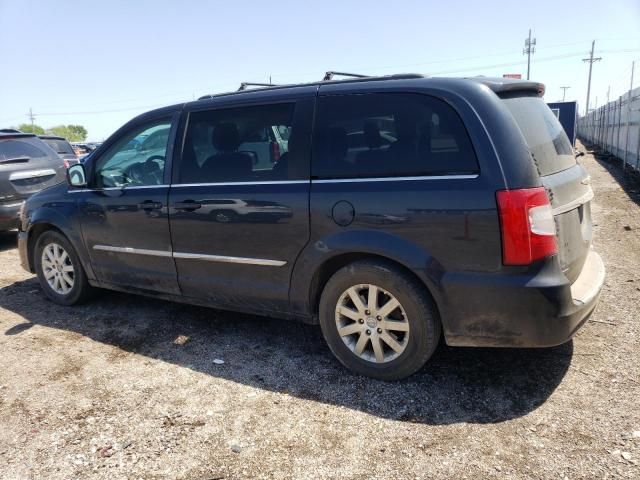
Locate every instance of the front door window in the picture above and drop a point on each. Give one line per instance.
(136, 159)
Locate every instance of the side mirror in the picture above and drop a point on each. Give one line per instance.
(76, 175)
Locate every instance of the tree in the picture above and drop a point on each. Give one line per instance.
(73, 133)
(28, 128)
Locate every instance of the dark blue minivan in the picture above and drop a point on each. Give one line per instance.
(399, 210)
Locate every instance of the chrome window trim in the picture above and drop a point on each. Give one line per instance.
(567, 207)
(116, 188)
(398, 179)
(223, 184)
(192, 256)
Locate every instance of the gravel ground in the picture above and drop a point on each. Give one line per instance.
(128, 387)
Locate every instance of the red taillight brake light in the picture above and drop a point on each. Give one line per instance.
(527, 225)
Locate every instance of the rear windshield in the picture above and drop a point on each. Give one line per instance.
(30, 147)
(59, 146)
(547, 141)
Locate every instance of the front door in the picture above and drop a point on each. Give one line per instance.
(124, 212)
(239, 203)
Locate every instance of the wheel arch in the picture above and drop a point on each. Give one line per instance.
(322, 258)
(42, 223)
(331, 265)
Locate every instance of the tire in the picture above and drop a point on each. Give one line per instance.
(413, 327)
(79, 290)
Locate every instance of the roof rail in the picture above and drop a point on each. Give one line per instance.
(244, 85)
(329, 75)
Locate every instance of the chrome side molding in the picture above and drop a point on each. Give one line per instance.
(192, 256)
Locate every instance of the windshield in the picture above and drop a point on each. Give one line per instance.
(59, 146)
(549, 145)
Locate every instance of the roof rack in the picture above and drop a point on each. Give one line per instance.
(244, 85)
(330, 74)
(356, 77)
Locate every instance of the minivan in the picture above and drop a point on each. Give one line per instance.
(401, 210)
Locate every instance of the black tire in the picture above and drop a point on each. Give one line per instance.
(421, 315)
(81, 289)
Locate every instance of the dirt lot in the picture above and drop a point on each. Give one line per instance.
(127, 387)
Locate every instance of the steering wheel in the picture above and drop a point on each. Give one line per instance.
(147, 172)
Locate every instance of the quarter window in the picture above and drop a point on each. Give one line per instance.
(387, 135)
(238, 144)
(137, 158)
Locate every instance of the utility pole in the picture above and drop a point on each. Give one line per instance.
(608, 92)
(626, 143)
(529, 49)
(31, 116)
(564, 92)
(590, 60)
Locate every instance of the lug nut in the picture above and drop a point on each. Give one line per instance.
(379, 317)
(367, 312)
(368, 332)
(361, 320)
(379, 330)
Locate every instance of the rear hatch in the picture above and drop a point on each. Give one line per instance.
(567, 183)
(27, 165)
(62, 148)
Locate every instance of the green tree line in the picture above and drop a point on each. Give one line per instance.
(73, 133)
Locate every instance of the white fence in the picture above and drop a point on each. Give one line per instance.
(615, 128)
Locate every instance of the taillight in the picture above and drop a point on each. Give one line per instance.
(527, 225)
(275, 152)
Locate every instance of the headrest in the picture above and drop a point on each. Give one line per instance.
(225, 137)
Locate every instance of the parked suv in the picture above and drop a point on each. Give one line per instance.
(62, 147)
(415, 207)
(27, 165)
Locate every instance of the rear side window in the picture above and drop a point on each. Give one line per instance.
(389, 135)
(29, 147)
(548, 143)
(239, 144)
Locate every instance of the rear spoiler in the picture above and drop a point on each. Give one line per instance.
(4, 136)
(510, 85)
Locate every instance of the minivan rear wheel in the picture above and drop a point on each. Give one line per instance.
(59, 270)
(378, 321)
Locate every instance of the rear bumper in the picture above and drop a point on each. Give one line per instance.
(522, 311)
(10, 215)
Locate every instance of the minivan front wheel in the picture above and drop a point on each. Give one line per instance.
(378, 321)
(59, 271)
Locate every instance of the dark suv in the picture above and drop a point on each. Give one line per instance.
(27, 165)
(401, 208)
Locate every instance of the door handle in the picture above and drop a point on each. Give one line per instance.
(150, 205)
(188, 205)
